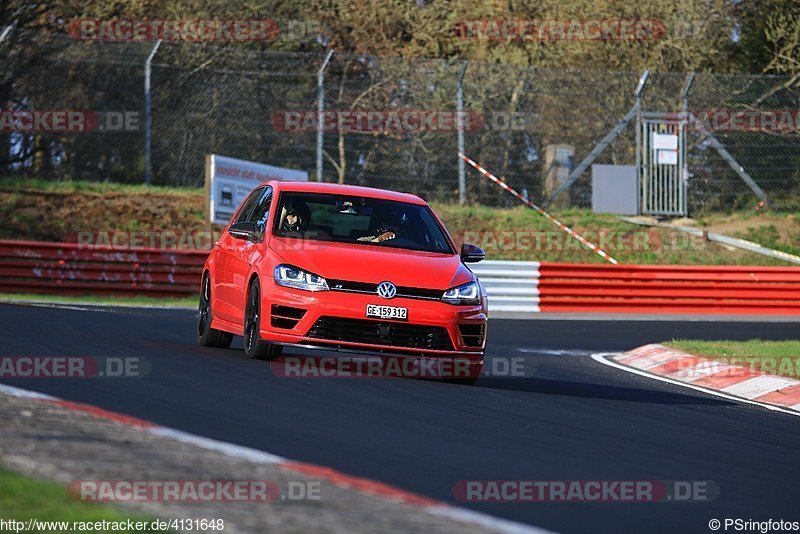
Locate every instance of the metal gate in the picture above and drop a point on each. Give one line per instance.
(662, 164)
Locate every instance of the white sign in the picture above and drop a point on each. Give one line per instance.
(229, 180)
(665, 142)
(667, 157)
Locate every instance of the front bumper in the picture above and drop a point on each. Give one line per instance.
(335, 319)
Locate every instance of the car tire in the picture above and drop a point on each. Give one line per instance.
(255, 347)
(207, 336)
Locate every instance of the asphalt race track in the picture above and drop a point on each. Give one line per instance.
(574, 419)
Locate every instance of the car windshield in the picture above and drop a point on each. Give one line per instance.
(359, 220)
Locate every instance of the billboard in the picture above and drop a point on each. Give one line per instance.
(229, 180)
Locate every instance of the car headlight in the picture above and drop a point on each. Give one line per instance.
(290, 276)
(465, 294)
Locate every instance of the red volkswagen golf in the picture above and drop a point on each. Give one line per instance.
(342, 267)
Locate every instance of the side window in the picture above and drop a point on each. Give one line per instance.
(248, 205)
(261, 212)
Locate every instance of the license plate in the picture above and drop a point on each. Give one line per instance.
(387, 312)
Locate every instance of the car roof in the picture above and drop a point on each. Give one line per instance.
(343, 189)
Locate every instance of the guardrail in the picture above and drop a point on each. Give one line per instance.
(513, 286)
(71, 269)
(572, 287)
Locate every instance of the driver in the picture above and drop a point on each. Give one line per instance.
(297, 217)
(388, 226)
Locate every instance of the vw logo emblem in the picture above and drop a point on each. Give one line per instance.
(387, 290)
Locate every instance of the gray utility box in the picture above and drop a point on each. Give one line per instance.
(615, 189)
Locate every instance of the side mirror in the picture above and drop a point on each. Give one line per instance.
(471, 253)
(244, 230)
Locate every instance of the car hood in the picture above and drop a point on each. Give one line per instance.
(373, 263)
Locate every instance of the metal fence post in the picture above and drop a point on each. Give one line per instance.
(148, 118)
(686, 87)
(718, 146)
(598, 149)
(685, 109)
(5, 33)
(728, 157)
(462, 170)
(641, 198)
(320, 111)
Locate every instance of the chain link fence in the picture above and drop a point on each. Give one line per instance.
(390, 123)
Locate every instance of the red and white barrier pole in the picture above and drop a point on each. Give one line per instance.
(542, 212)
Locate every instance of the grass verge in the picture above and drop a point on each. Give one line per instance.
(772, 357)
(141, 302)
(519, 233)
(85, 186)
(23, 498)
(42, 210)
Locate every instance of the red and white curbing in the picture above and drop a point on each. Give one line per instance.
(358, 484)
(705, 373)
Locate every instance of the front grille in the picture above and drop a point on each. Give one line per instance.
(402, 291)
(472, 334)
(285, 316)
(381, 333)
